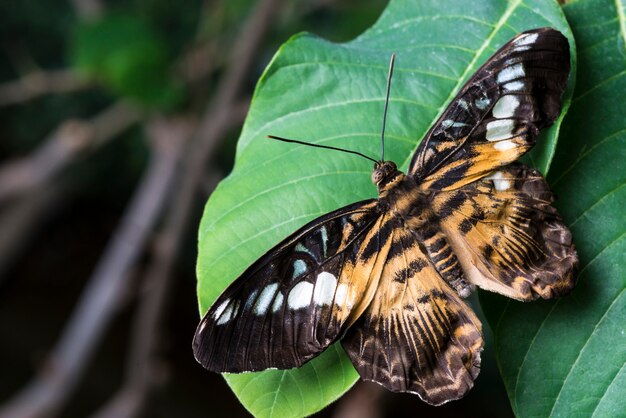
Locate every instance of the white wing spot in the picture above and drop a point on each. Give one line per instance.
(229, 313)
(265, 299)
(504, 145)
(499, 129)
(301, 248)
(482, 103)
(278, 302)
(324, 235)
(220, 309)
(505, 107)
(526, 39)
(341, 295)
(300, 295)
(514, 86)
(450, 123)
(251, 299)
(324, 288)
(511, 73)
(463, 104)
(299, 267)
(499, 181)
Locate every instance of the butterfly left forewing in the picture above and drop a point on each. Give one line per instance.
(497, 115)
(299, 298)
(417, 335)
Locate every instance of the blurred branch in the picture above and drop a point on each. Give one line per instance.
(38, 83)
(49, 390)
(20, 220)
(216, 122)
(47, 393)
(70, 140)
(143, 363)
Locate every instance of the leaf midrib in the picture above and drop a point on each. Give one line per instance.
(622, 19)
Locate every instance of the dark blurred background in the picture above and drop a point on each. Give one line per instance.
(117, 120)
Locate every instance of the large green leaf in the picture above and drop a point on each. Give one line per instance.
(566, 358)
(333, 94)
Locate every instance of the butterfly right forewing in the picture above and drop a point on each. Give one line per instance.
(497, 115)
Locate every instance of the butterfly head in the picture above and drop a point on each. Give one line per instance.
(384, 172)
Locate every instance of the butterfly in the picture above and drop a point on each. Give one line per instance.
(387, 276)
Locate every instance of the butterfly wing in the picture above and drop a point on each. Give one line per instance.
(300, 297)
(497, 115)
(507, 236)
(417, 335)
(498, 216)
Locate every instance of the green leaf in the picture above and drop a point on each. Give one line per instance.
(128, 57)
(333, 94)
(566, 358)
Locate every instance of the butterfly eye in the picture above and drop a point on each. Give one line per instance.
(390, 167)
(377, 175)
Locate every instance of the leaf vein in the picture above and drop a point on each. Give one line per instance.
(607, 390)
(275, 392)
(608, 138)
(550, 312)
(532, 343)
(597, 86)
(596, 203)
(264, 231)
(622, 19)
(278, 187)
(575, 363)
(407, 22)
(301, 112)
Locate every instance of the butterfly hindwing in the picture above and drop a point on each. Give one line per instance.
(498, 113)
(417, 335)
(507, 236)
(296, 300)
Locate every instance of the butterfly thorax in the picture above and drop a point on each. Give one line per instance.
(411, 211)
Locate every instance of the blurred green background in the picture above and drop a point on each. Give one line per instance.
(94, 97)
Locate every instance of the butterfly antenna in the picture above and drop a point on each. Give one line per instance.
(382, 135)
(293, 141)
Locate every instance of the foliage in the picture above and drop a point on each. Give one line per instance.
(127, 56)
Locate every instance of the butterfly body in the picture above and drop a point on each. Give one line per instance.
(409, 207)
(386, 276)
